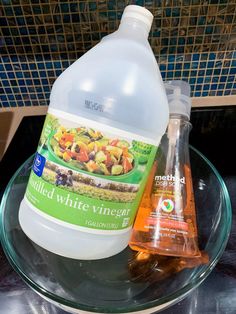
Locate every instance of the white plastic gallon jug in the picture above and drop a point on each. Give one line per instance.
(107, 114)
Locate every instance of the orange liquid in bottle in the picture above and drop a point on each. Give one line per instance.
(166, 221)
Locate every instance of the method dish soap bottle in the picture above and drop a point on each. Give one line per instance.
(97, 145)
(166, 220)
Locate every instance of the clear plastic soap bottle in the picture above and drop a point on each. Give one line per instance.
(107, 114)
(166, 219)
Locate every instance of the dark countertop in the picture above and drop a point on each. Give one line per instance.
(213, 131)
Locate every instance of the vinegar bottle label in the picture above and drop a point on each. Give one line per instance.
(88, 174)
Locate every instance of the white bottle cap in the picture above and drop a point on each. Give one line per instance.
(139, 13)
(178, 95)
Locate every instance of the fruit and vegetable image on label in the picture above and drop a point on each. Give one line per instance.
(88, 175)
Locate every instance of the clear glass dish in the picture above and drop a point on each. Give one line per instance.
(107, 286)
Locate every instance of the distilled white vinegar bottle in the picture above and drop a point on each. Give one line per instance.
(107, 114)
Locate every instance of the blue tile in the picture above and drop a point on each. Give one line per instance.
(197, 94)
(232, 71)
(36, 82)
(35, 73)
(195, 57)
(229, 85)
(205, 94)
(64, 8)
(162, 67)
(24, 66)
(181, 41)
(219, 93)
(210, 64)
(19, 74)
(225, 71)
(21, 82)
(45, 82)
(215, 79)
(3, 97)
(57, 65)
(11, 75)
(16, 90)
(213, 86)
(3, 75)
(23, 89)
(169, 75)
(12, 103)
(8, 10)
(201, 20)
(5, 104)
(20, 21)
(49, 65)
(32, 66)
(206, 87)
(93, 6)
(209, 30)
(3, 21)
(223, 78)
(8, 67)
(216, 71)
(20, 103)
(231, 78)
(212, 56)
(5, 83)
(170, 66)
(186, 65)
(177, 73)
(42, 74)
(193, 73)
(198, 87)
(65, 64)
(200, 80)
(202, 65)
(11, 97)
(201, 73)
(192, 80)
(185, 73)
(18, 97)
(41, 65)
(23, 31)
(221, 86)
(8, 90)
(179, 66)
(41, 96)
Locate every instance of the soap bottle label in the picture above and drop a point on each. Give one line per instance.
(166, 208)
(87, 174)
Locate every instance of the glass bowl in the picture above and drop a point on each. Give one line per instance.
(107, 285)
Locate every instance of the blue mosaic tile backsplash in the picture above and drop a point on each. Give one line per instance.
(192, 40)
